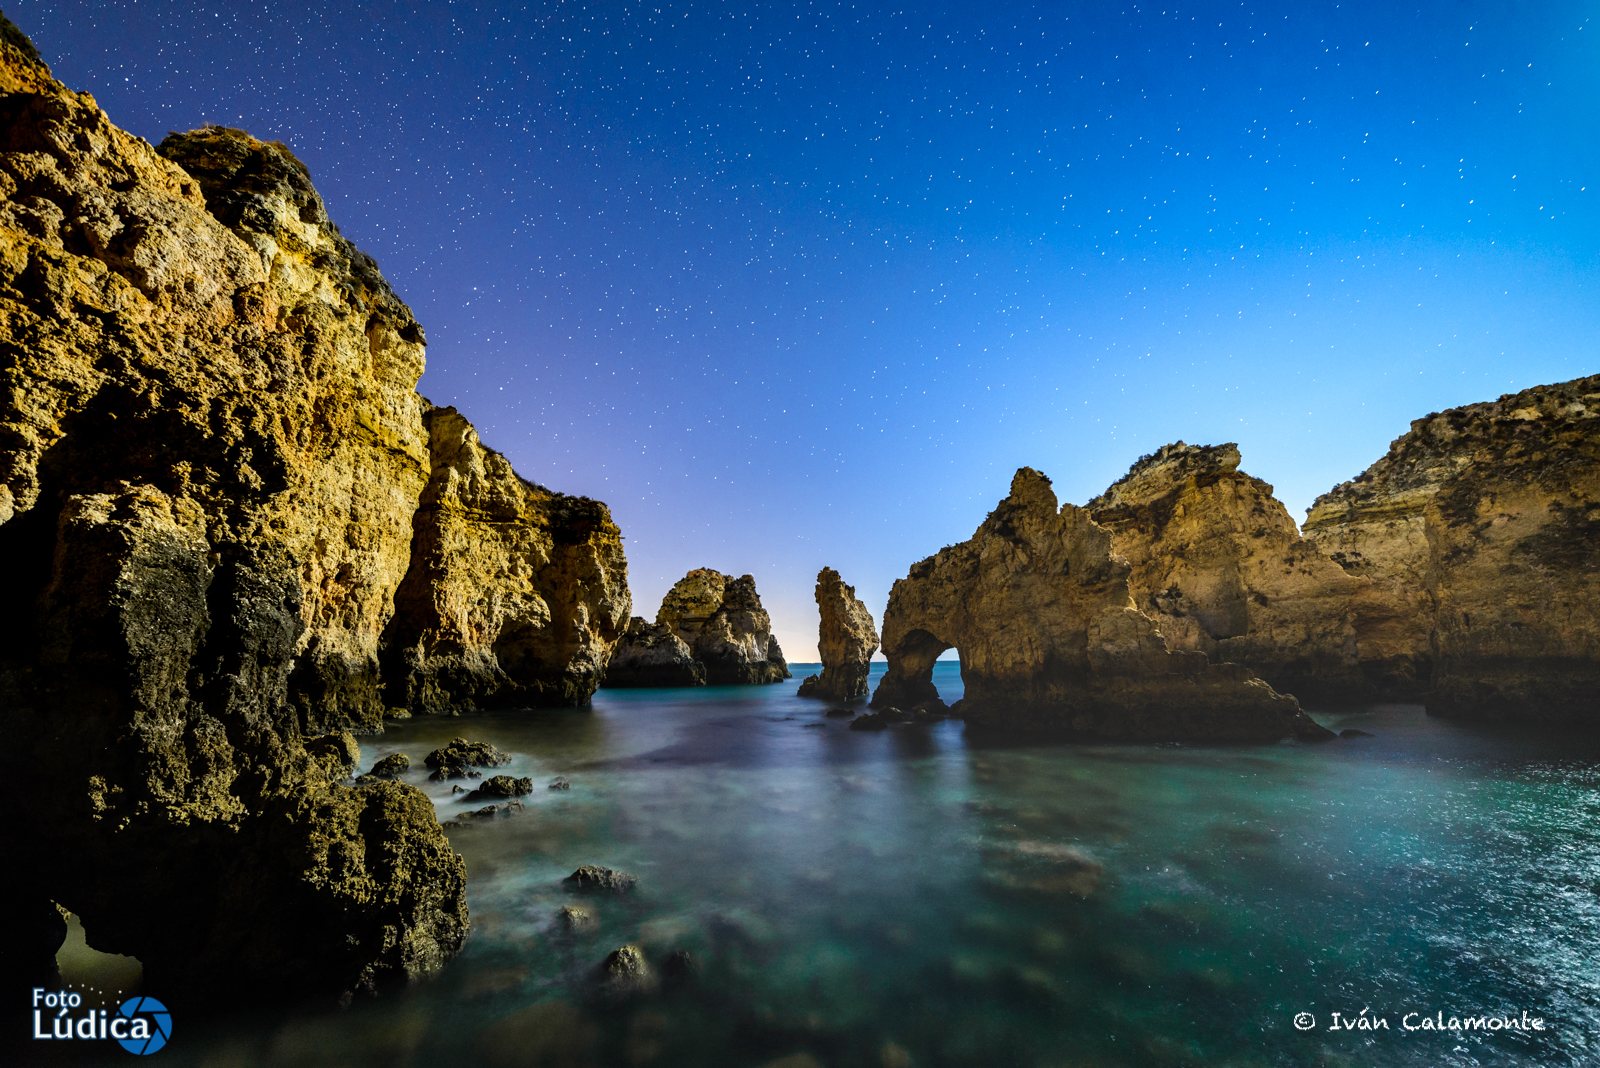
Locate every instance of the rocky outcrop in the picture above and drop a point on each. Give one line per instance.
(1219, 564)
(846, 640)
(211, 457)
(1049, 638)
(651, 654)
(719, 620)
(515, 595)
(1491, 514)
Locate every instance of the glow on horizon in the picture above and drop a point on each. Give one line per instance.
(803, 284)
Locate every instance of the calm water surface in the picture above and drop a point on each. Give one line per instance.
(933, 896)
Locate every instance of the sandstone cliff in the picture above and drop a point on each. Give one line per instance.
(719, 619)
(211, 453)
(846, 640)
(1221, 566)
(1049, 638)
(1492, 513)
(515, 595)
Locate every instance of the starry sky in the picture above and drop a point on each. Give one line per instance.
(795, 284)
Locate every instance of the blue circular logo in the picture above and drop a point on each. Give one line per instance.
(148, 1028)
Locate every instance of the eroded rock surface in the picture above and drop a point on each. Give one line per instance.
(1220, 565)
(1049, 638)
(211, 458)
(846, 640)
(719, 620)
(515, 595)
(1491, 512)
(652, 654)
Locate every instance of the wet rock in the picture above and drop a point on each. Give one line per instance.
(595, 878)
(846, 640)
(872, 721)
(560, 782)
(1489, 515)
(1050, 640)
(814, 726)
(391, 766)
(504, 810)
(502, 786)
(460, 758)
(1351, 732)
(576, 918)
(625, 973)
(652, 654)
(457, 790)
(338, 750)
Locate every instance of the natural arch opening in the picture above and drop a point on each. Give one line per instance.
(908, 681)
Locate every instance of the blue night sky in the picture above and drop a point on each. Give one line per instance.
(794, 284)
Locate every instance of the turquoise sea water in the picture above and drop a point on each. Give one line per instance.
(934, 896)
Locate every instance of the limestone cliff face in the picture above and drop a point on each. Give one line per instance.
(719, 619)
(846, 640)
(1221, 566)
(1049, 637)
(515, 595)
(1492, 512)
(211, 453)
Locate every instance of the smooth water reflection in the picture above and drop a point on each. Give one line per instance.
(930, 896)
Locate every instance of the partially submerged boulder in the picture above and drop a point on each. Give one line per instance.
(595, 877)
(501, 787)
(846, 640)
(460, 759)
(1042, 614)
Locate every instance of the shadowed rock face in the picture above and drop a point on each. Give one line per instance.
(515, 595)
(846, 640)
(1492, 513)
(1049, 637)
(1222, 568)
(650, 654)
(211, 453)
(719, 620)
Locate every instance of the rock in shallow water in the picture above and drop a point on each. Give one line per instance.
(846, 640)
(460, 758)
(593, 877)
(501, 786)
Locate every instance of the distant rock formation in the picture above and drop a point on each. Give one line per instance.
(846, 640)
(1491, 513)
(1222, 568)
(719, 620)
(212, 455)
(1049, 638)
(515, 596)
(650, 654)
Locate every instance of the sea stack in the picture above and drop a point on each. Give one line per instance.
(1049, 638)
(719, 620)
(846, 640)
(1220, 565)
(1492, 513)
(212, 461)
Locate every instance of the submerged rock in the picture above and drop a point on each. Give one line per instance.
(560, 782)
(846, 640)
(501, 786)
(1351, 732)
(719, 621)
(1220, 566)
(651, 654)
(593, 877)
(1042, 613)
(461, 759)
(576, 918)
(502, 810)
(1490, 513)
